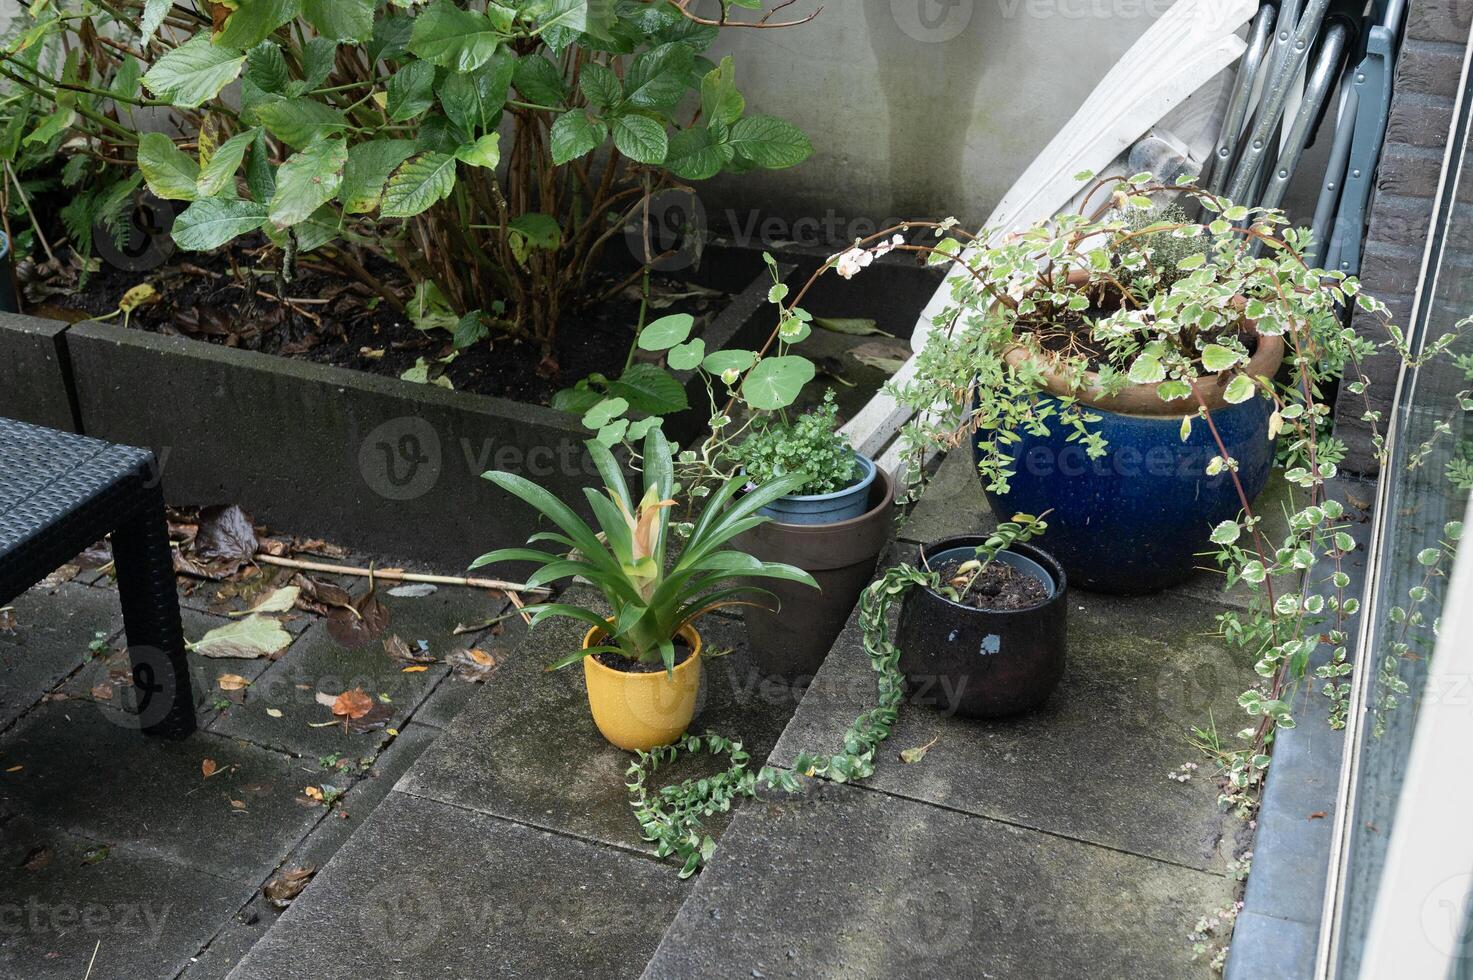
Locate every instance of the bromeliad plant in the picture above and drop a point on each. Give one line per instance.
(365, 128)
(626, 560)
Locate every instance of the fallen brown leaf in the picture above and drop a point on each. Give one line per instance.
(37, 858)
(225, 533)
(352, 704)
(103, 691)
(208, 768)
(473, 665)
(233, 682)
(395, 647)
(288, 885)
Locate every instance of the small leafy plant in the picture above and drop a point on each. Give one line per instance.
(626, 560)
(809, 444)
(1020, 530)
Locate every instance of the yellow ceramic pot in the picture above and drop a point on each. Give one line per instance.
(639, 712)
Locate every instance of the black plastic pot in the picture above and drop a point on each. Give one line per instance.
(790, 643)
(982, 663)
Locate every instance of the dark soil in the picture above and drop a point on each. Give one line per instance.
(324, 317)
(623, 664)
(1000, 586)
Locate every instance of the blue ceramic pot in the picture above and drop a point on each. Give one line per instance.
(1140, 518)
(826, 508)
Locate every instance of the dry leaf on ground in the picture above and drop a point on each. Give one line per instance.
(474, 665)
(233, 682)
(255, 636)
(208, 768)
(352, 704)
(288, 885)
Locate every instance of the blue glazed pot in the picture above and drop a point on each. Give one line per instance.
(826, 508)
(1139, 519)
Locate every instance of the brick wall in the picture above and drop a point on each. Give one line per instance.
(1427, 77)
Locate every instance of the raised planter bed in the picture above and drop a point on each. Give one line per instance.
(373, 462)
(376, 463)
(34, 383)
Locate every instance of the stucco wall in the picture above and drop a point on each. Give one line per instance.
(921, 107)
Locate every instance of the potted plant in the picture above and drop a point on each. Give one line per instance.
(985, 635)
(1120, 369)
(642, 661)
(834, 527)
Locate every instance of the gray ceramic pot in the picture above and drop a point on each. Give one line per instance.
(827, 508)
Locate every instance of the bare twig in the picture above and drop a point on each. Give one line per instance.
(399, 575)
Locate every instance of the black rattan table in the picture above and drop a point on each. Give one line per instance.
(59, 493)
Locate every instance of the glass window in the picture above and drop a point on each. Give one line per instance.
(1427, 483)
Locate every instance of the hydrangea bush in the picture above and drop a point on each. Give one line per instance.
(488, 149)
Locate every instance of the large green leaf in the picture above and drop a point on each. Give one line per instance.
(194, 73)
(650, 389)
(342, 20)
(308, 180)
(695, 154)
(260, 173)
(211, 222)
(446, 35)
(720, 100)
(601, 86)
(217, 176)
(576, 134)
(171, 173)
(411, 90)
(776, 381)
(666, 332)
(300, 122)
(154, 12)
(539, 81)
(266, 68)
(484, 152)
(472, 100)
(659, 77)
(641, 139)
(771, 143)
(319, 58)
(369, 166)
(418, 185)
(254, 20)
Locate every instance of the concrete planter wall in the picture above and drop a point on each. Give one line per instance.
(378, 464)
(34, 383)
(371, 462)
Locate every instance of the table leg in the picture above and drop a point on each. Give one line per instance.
(145, 569)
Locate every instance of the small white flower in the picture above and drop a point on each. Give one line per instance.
(852, 261)
(885, 248)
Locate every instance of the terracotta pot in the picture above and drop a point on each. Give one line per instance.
(790, 642)
(642, 711)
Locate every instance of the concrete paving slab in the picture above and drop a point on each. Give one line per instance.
(848, 882)
(111, 672)
(526, 748)
(953, 503)
(319, 663)
(430, 890)
(1141, 673)
(53, 631)
(86, 774)
(62, 899)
